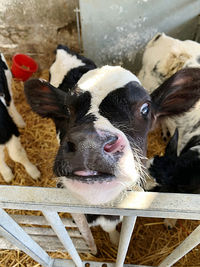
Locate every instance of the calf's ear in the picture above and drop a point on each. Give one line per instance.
(45, 99)
(177, 94)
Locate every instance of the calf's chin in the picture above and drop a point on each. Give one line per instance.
(94, 193)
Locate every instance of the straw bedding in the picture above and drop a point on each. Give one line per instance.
(150, 243)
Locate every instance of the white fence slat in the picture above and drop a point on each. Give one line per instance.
(51, 244)
(49, 232)
(128, 224)
(188, 244)
(5, 244)
(48, 241)
(39, 220)
(145, 204)
(15, 234)
(83, 226)
(62, 234)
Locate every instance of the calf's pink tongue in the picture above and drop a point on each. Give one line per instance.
(85, 173)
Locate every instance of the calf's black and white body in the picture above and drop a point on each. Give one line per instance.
(175, 173)
(102, 117)
(164, 56)
(9, 134)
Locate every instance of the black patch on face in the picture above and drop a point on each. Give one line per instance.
(78, 109)
(89, 118)
(118, 105)
(4, 91)
(7, 126)
(122, 108)
(81, 106)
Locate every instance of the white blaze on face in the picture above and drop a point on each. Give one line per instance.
(101, 81)
(63, 64)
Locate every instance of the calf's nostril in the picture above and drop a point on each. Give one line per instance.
(71, 147)
(112, 144)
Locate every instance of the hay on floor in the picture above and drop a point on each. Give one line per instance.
(150, 243)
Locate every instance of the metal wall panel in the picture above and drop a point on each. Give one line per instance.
(116, 31)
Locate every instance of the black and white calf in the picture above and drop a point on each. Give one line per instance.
(9, 134)
(103, 117)
(164, 56)
(177, 174)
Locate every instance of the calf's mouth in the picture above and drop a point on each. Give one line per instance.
(90, 177)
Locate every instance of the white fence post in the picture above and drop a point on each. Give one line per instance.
(59, 228)
(84, 229)
(125, 236)
(188, 244)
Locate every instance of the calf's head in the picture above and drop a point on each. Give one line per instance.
(103, 124)
(164, 56)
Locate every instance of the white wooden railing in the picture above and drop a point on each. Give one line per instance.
(36, 241)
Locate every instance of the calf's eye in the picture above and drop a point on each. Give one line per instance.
(144, 110)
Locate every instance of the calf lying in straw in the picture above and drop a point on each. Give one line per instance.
(164, 56)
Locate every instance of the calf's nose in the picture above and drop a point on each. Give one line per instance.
(115, 144)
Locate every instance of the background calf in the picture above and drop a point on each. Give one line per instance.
(177, 174)
(164, 56)
(9, 134)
